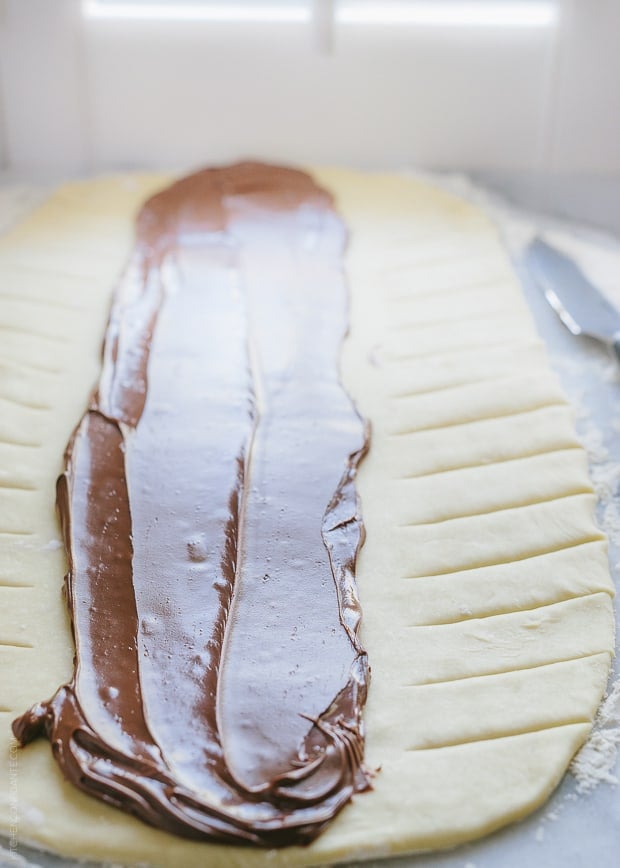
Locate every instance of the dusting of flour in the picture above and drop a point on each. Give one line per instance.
(595, 761)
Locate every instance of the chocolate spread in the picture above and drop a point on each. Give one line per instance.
(211, 524)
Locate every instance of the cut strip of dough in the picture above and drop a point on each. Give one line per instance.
(484, 577)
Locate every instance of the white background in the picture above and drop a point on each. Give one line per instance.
(80, 95)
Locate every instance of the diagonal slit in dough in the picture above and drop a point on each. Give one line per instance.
(483, 417)
(501, 735)
(553, 450)
(463, 384)
(512, 669)
(576, 492)
(511, 611)
(18, 486)
(520, 557)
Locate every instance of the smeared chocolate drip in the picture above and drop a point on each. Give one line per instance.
(212, 525)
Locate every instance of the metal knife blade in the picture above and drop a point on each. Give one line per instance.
(579, 304)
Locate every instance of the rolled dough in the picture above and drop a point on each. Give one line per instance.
(484, 578)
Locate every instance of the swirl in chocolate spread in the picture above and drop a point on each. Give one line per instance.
(212, 525)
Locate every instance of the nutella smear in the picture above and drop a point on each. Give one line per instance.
(212, 525)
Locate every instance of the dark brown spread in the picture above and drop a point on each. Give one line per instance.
(212, 525)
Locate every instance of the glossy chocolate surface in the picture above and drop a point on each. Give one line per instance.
(212, 525)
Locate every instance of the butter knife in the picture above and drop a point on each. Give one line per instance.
(582, 307)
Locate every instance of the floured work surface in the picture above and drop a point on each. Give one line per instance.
(483, 579)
